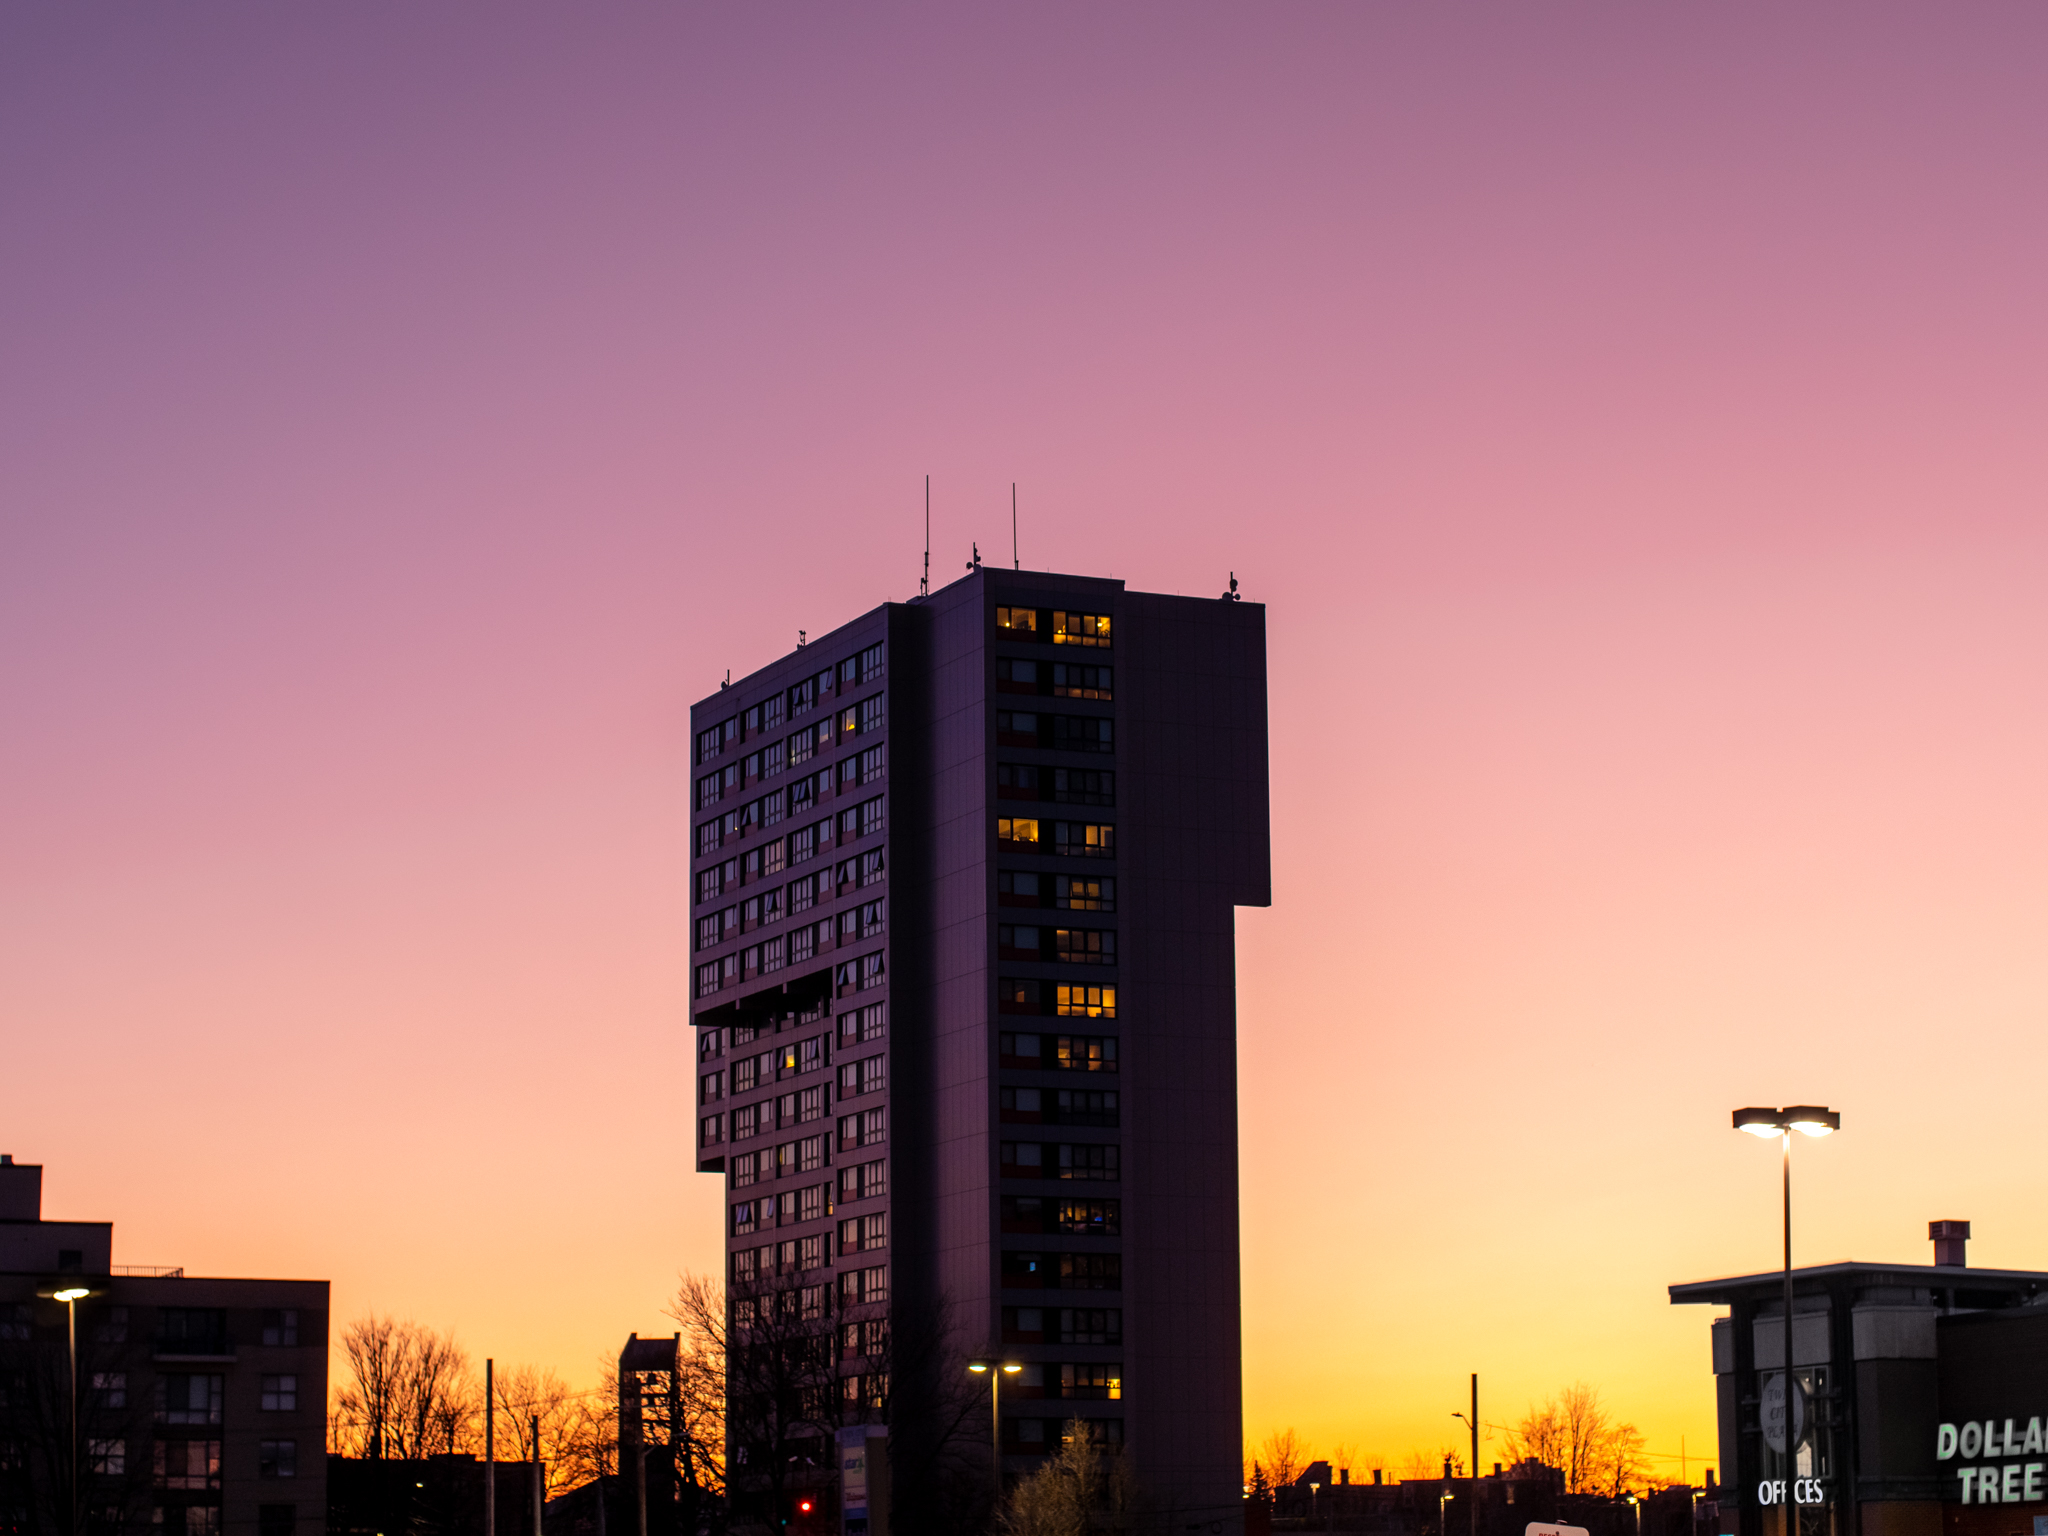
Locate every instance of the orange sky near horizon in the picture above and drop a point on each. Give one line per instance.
(1632, 423)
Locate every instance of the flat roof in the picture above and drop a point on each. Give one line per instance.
(1940, 1277)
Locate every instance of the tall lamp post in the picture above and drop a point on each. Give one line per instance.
(1472, 1423)
(1808, 1120)
(995, 1370)
(71, 1296)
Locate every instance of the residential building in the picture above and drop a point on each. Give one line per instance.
(963, 882)
(201, 1403)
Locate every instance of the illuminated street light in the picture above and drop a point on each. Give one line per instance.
(995, 1370)
(1808, 1120)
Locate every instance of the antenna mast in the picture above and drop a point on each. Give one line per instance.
(924, 585)
(1013, 528)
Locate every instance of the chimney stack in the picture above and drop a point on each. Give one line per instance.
(1949, 1238)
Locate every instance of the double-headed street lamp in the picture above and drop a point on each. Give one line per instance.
(1808, 1120)
(995, 1370)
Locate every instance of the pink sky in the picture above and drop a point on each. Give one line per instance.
(1633, 420)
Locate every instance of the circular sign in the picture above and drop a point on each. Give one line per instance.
(1772, 1412)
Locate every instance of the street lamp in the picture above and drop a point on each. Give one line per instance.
(995, 1370)
(1808, 1120)
(71, 1296)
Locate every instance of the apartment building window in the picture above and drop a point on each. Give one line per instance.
(1019, 1105)
(1087, 1002)
(1097, 1381)
(273, 1520)
(108, 1458)
(1016, 996)
(708, 744)
(868, 1075)
(1091, 1272)
(803, 944)
(864, 1181)
(874, 762)
(1086, 1106)
(1017, 888)
(1085, 1053)
(1084, 786)
(1083, 733)
(774, 758)
(771, 713)
(708, 885)
(771, 857)
(1016, 943)
(1100, 1218)
(188, 1464)
(1016, 781)
(708, 933)
(874, 1021)
(743, 1169)
(1085, 893)
(743, 1071)
(874, 1127)
(871, 868)
(1090, 629)
(871, 714)
(1084, 839)
(1018, 832)
(280, 1394)
(803, 696)
(707, 791)
(871, 663)
(811, 1202)
(712, 1129)
(746, 1122)
(803, 795)
(277, 1458)
(874, 1231)
(1013, 676)
(742, 1218)
(773, 806)
(112, 1327)
(1016, 728)
(811, 1252)
(811, 1302)
(1090, 1162)
(871, 921)
(1072, 680)
(849, 774)
(707, 839)
(1023, 1325)
(810, 1154)
(871, 816)
(1018, 620)
(1022, 1159)
(772, 955)
(810, 1054)
(191, 1331)
(803, 844)
(872, 967)
(801, 746)
(711, 1045)
(1084, 946)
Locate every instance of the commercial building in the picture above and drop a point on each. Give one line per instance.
(963, 881)
(201, 1403)
(1923, 1401)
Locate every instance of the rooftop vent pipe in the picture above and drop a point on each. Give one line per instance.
(1949, 1238)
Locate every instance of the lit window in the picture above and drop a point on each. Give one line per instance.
(1018, 620)
(1087, 1002)
(1017, 830)
(1080, 628)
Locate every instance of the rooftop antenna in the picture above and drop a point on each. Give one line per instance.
(1013, 528)
(974, 564)
(924, 585)
(1232, 596)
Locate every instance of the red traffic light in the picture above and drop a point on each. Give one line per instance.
(803, 1507)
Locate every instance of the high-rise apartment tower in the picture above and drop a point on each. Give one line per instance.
(964, 993)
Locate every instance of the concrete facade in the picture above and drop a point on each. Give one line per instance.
(1056, 791)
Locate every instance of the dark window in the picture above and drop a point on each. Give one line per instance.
(1014, 728)
(1016, 676)
(188, 1464)
(280, 1394)
(281, 1325)
(1088, 1161)
(871, 663)
(871, 714)
(277, 1519)
(1091, 1325)
(1084, 946)
(277, 1458)
(191, 1331)
(1021, 1050)
(1016, 781)
(1091, 1272)
(1017, 888)
(1085, 1106)
(1083, 733)
(1015, 943)
(1084, 786)
(803, 696)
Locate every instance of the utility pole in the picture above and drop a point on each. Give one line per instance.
(537, 1492)
(1475, 1454)
(490, 1450)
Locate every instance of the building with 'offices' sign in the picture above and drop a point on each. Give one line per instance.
(1918, 1402)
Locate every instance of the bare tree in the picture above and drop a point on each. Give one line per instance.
(409, 1394)
(590, 1450)
(1086, 1488)
(1285, 1456)
(99, 1475)
(1574, 1433)
(526, 1393)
